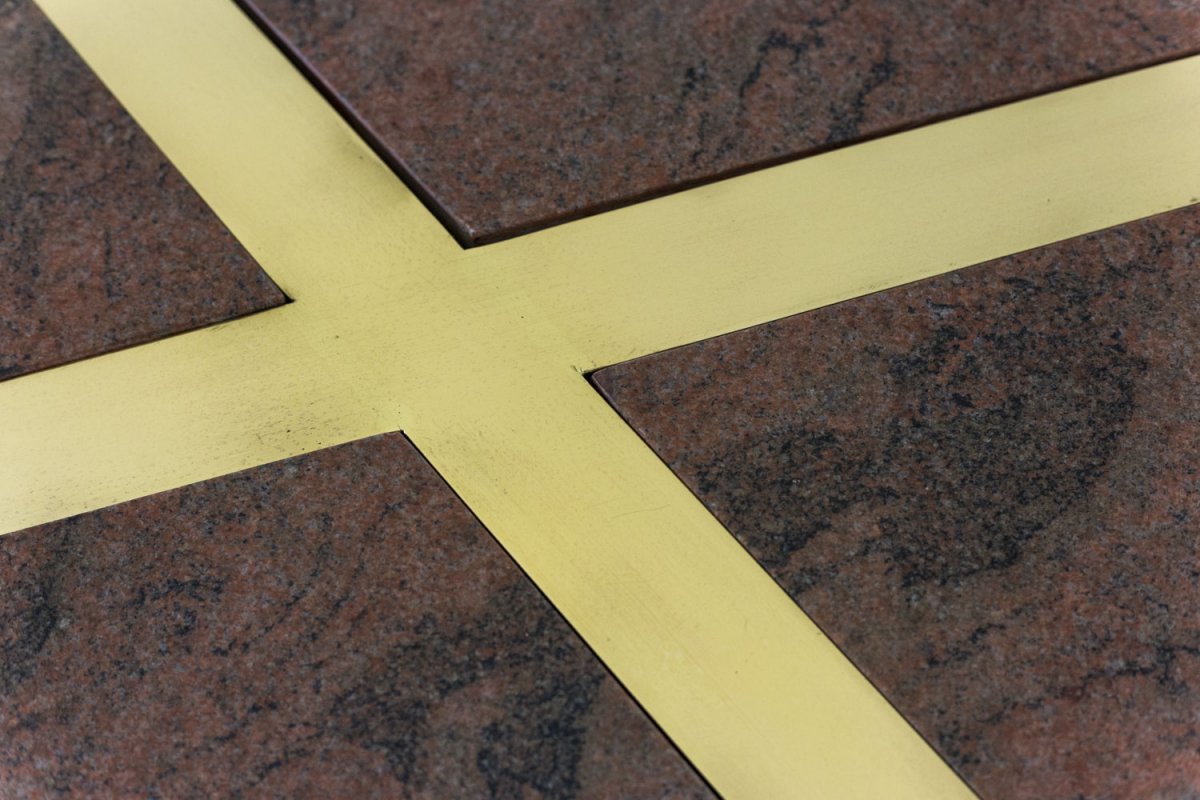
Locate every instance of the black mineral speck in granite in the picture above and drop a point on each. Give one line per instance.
(985, 487)
(333, 625)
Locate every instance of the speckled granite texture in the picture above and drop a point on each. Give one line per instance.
(516, 113)
(986, 488)
(334, 625)
(102, 242)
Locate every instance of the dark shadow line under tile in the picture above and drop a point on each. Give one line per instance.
(459, 231)
(355, 120)
(563, 617)
(287, 301)
(609, 401)
(800, 155)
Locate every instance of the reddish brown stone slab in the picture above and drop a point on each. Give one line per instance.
(102, 242)
(985, 487)
(334, 625)
(518, 113)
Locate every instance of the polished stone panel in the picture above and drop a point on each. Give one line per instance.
(102, 242)
(333, 625)
(518, 113)
(985, 487)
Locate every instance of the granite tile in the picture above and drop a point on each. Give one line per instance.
(334, 625)
(513, 114)
(102, 242)
(985, 487)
